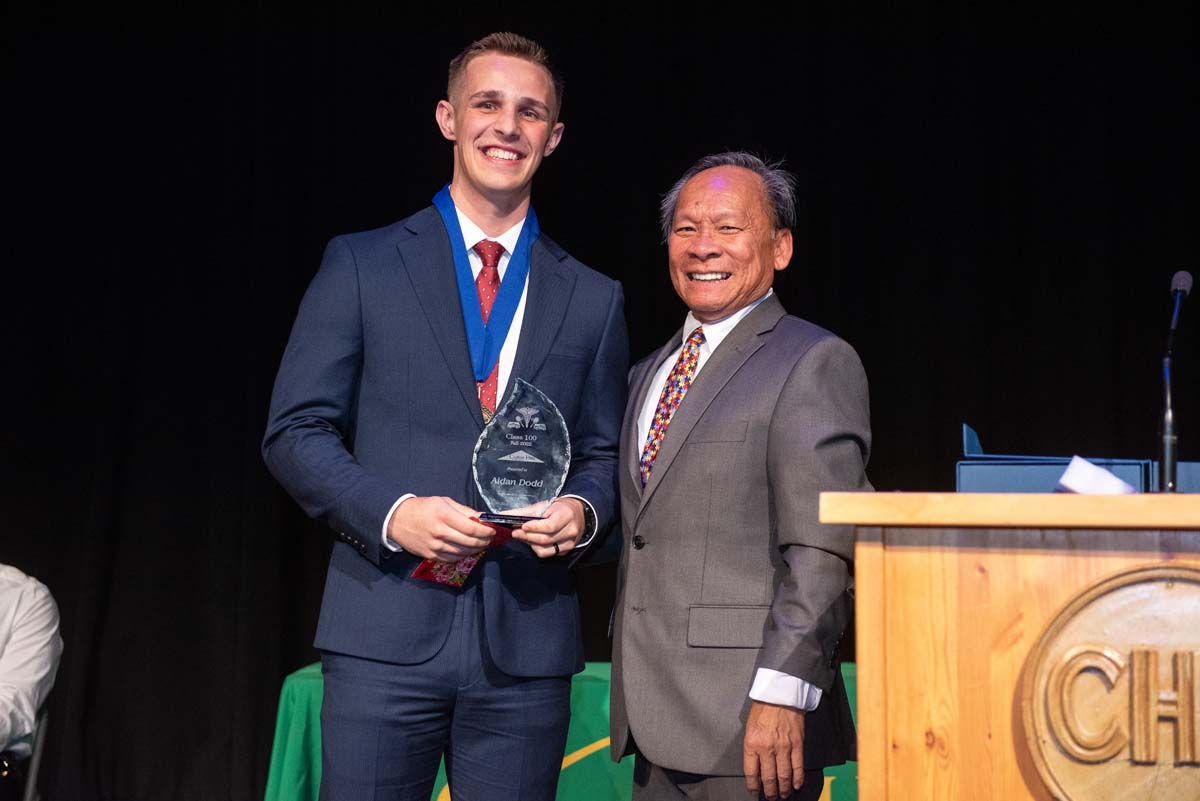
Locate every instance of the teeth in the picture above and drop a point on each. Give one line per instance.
(497, 153)
(708, 276)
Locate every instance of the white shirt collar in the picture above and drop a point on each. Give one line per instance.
(472, 233)
(716, 331)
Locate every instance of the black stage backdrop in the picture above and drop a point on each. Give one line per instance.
(992, 209)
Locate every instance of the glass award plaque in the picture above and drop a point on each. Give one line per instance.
(520, 459)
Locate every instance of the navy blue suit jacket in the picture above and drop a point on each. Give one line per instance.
(375, 398)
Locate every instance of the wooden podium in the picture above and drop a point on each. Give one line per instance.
(1026, 646)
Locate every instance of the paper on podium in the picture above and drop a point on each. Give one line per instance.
(1084, 478)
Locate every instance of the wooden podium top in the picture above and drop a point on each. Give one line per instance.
(1002, 510)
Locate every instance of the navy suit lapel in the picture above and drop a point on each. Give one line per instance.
(737, 347)
(547, 295)
(429, 263)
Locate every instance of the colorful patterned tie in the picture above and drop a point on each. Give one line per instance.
(487, 284)
(673, 391)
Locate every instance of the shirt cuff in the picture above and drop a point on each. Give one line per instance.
(773, 687)
(389, 543)
(589, 521)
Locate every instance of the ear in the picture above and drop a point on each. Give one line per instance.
(555, 137)
(783, 248)
(444, 114)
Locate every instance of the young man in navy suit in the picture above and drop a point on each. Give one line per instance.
(382, 392)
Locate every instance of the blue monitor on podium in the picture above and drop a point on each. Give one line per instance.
(988, 472)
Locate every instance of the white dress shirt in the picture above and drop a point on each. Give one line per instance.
(770, 686)
(472, 234)
(30, 647)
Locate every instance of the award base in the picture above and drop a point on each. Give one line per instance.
(455, 574)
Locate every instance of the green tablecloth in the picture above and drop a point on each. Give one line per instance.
(587, 774)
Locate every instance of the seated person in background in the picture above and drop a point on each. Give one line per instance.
(30, 648)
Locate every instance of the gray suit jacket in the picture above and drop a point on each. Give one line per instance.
(724, 567)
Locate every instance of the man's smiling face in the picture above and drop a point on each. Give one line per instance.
(723, 248)
(502, 121)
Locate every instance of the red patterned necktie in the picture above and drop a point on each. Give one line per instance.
(678, 381)
(487, 284)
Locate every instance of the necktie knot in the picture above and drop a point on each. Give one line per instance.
(489, 251)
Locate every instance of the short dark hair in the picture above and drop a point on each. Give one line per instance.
(509, 44)
(779, 187)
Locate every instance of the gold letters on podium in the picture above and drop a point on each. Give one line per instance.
(1110, 695)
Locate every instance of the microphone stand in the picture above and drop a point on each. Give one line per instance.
(1169, 455)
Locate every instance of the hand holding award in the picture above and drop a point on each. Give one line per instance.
(520, 459)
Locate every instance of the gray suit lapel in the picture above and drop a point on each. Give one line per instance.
(546, 303)
(430, 266)
(738, 346)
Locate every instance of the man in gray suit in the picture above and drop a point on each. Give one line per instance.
(732, 597)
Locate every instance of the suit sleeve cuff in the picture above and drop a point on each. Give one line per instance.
(589, 521)
(773, 687)
(387, 520)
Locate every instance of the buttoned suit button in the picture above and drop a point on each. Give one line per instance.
(639, 542)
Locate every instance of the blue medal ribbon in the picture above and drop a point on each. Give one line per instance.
(485, 341)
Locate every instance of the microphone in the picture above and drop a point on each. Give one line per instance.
(1181, 286)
